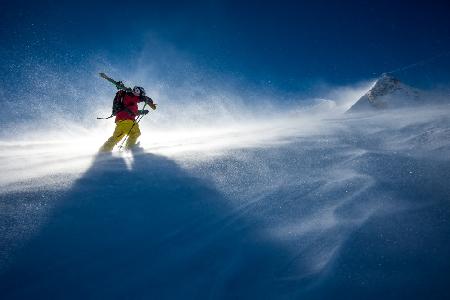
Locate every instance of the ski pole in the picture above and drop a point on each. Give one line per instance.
(134, 123)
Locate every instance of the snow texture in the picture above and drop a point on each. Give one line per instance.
(303, 206)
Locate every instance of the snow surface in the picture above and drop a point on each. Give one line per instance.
(305, 205)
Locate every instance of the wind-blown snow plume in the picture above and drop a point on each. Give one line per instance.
(263, 198)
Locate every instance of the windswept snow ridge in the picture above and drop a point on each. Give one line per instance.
(296, 206)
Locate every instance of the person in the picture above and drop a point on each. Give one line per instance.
(126, 118)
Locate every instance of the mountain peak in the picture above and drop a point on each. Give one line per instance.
(387, 92)
(384, 85)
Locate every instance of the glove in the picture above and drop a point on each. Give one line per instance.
(120, 85)
(143, 112)
(150, 103)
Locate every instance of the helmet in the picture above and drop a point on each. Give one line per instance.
(140, 90)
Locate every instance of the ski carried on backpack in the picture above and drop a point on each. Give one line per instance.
(118, 99)
(117, 103)
(119, 84)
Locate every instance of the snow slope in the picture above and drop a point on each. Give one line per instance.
(305, 206)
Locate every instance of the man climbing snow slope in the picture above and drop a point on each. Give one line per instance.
(126, 110)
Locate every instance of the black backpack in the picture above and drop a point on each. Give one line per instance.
(118, 103)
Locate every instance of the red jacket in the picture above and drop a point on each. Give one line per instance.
(130, 102)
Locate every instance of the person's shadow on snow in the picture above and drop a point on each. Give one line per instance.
(145, 230)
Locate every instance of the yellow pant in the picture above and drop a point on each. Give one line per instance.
(122, 129)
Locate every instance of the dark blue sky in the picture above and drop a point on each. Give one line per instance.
(291, 45)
